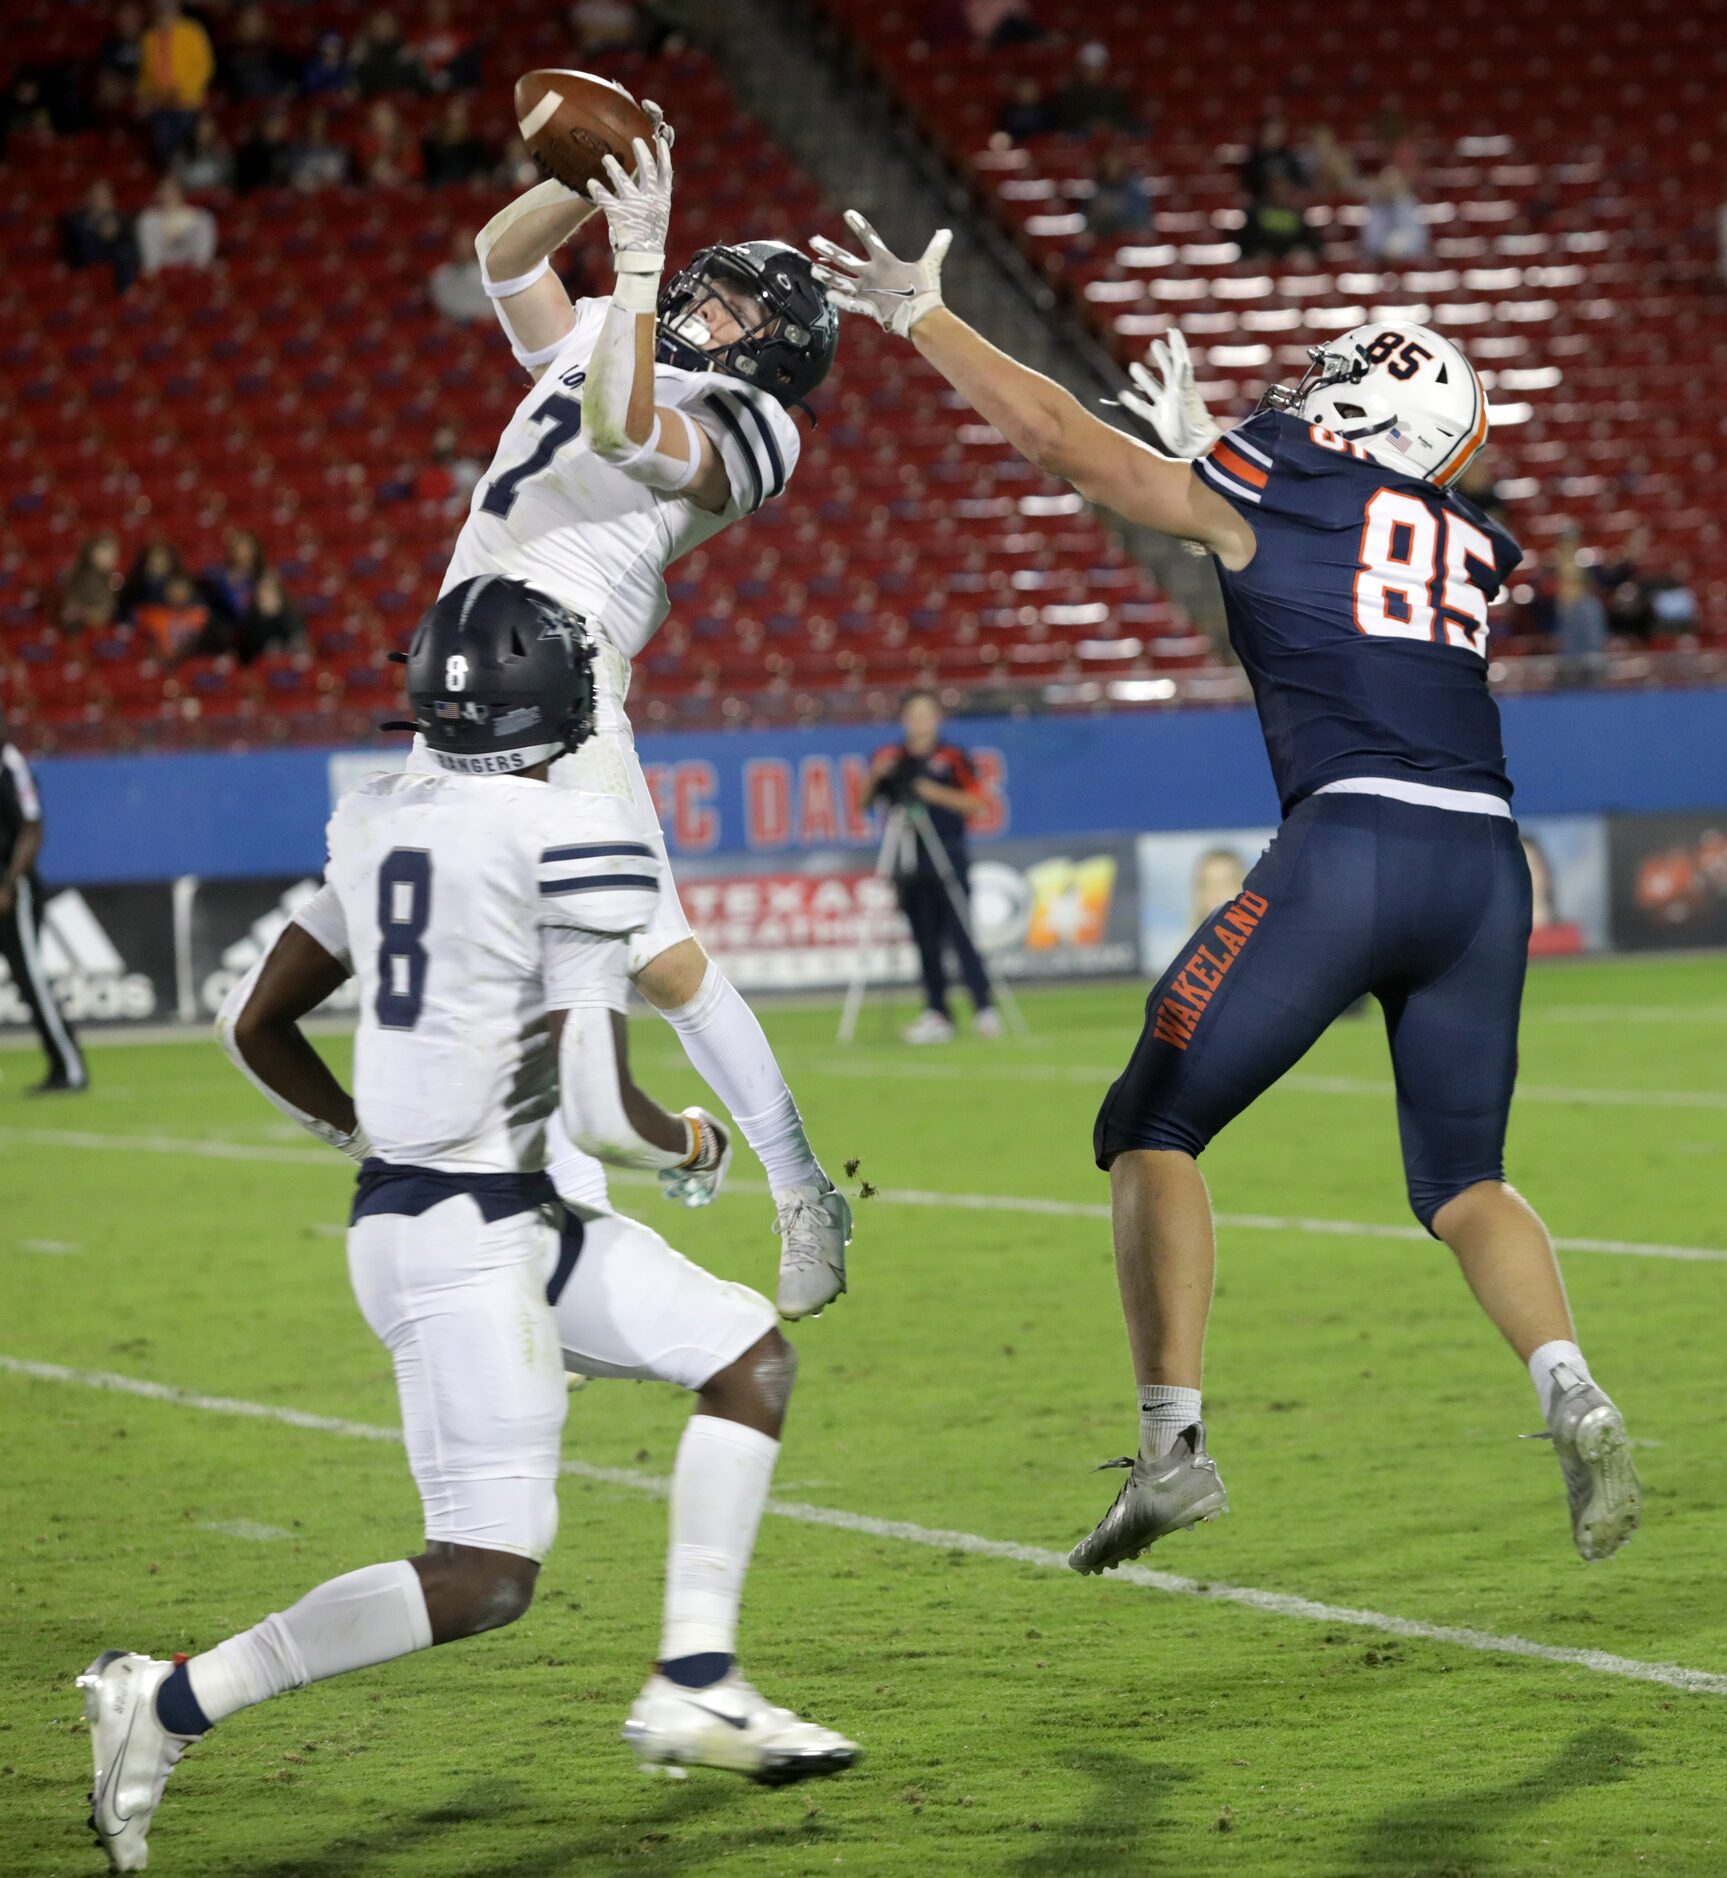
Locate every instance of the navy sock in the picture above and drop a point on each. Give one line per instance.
(177, 1707)
(698, 1672)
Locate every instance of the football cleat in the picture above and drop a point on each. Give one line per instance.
(1177, 1489)
(134, 1754)
(987, 1023)
(732, 1726)
(1588, 1435)
(700, 1185)
(815, 1227)
(928, 1027)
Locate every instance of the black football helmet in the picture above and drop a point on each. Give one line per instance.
(500, 677)
(787, 352)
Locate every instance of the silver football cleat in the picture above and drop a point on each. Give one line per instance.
(1177, 1489)
(815, 1227)
(1588, 1435)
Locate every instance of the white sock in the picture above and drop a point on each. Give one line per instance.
(719, 1487)
(578, 1177)
(364, 1617)
(1545, 1360)
(1164, 1411)
(724, 1040)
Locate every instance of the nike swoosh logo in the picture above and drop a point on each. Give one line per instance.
(897, 293)
(731, 1721)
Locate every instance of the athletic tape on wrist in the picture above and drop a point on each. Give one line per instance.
(637, 293)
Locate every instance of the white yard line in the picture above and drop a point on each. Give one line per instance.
(246, 1529)
(1033, 1204)
(1271, 1603)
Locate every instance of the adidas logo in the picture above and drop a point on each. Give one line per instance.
(84, 968)
(239, 958)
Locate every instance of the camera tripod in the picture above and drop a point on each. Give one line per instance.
(908, 827)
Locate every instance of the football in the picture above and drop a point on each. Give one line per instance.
(572, 121)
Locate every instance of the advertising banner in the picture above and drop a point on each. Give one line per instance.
(1183, 877)
(1040, 910)
(108, 952)
(1669, 880)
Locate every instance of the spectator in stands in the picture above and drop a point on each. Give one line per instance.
(207, 164)
(173, 232)
(175, 624)
(266, 159)
(1121, 200)
(24, 108)
(1330, 169)
(96, 234)
(382, 62)
(1394, 230)
(604, 25)
(1277, 224)
(385, 155)
(1626, 584)
(1088, 101)
(1579, 618)
(175, 67)
(272, 623)
(325, 74)
(120, 58)
(449, 57)
(317, 161)
(451, 153)
(1673, 601)
(90, 592)
(228, 586)
(1026, 114)
(985, 24)
(456, 288)
(1271, 158)
(252, 64)
(146, 582)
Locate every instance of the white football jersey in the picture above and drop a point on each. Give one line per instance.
(550, 512)
(469, 909)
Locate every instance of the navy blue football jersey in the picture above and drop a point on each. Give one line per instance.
(1362, 618)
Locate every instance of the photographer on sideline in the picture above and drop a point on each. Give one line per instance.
(922, 770)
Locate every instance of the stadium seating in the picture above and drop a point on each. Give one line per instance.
(290, 387)
(1573, 222)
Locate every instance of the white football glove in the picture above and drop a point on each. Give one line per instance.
(1168, 401)
(697, 1181)
(663, 132)
(894, 293)
(638, 208)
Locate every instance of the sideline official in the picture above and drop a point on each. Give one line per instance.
(923, 770)
(21, 921)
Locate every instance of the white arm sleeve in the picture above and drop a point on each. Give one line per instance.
(355, 1146)
(605, 411)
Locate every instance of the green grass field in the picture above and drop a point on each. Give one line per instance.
(1016, 1719)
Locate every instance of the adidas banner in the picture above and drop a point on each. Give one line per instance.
(108, 953)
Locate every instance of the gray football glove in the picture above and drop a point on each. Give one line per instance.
(879, 285)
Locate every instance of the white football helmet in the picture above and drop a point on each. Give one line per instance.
(1404, 394)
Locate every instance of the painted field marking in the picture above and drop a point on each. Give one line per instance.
(57, 1248)
(1031, 1204)
(246, 1529)
(1271, 1603)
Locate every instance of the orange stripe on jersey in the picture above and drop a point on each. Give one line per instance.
(1238, 466)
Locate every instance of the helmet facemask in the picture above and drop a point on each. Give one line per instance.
(788, 330)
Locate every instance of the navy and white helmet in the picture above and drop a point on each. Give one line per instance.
(1405, 394)
(787, 351)
(500, 677)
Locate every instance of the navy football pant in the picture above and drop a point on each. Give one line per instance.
(1428, 909)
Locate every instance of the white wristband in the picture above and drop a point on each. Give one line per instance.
(637, 292)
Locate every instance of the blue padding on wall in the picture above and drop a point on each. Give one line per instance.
(218, 815)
